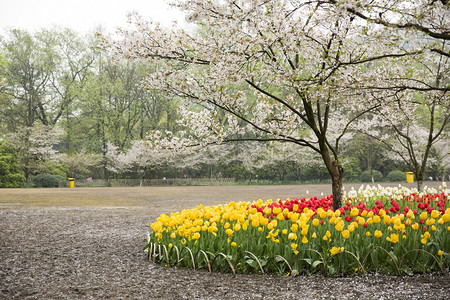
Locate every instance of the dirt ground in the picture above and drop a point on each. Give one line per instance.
(86, 243)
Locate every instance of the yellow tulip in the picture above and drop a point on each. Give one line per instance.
(294, 227)
(336, 250)
(378, 234)
(315, 222)
(393, 238)
(354, 212)
(346, 233)
(294, 246)
(351, 228)
(361, 221)
(446, 217)
(263, 221)
(339, 227)
(322, 214)
(424, 215)
(280, 217)
(304, 231)
(435, 214)
(294, 217)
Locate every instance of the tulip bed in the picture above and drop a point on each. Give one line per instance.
(387, 230)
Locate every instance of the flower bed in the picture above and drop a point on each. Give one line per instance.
(389, 230)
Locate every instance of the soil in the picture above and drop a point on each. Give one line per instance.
(87, 243)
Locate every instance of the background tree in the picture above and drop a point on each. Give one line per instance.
(42, 72)
(35, 147)
(11, 175)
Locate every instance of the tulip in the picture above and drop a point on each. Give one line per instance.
(292, 236)
(346, 234)
(393, 238)
(424, 215)
(378, 234)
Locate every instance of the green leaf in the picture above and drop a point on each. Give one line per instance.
(407, 270)
(278, 259)
(394, 256)
(316, 263)
(308, 260)
(252, 263)
(331, 270)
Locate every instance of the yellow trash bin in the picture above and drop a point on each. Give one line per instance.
(71, 182)
(409, 177)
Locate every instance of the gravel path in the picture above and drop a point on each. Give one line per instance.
(95, 252)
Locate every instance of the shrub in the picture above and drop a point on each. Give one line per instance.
(291, 176)
(46, 180)
(396, 176)
(11, 175)
(367, 177)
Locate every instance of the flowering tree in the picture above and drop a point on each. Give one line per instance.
(80, 162)
(411, 134)
(139, 158)
(35, 145)
(420, 111)
(264, 71)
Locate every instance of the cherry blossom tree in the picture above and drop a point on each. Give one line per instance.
(285, 71)
(140, 159)
(35, 145)
(418, 126)
(419, 114)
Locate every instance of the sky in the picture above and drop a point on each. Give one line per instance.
(83, 16)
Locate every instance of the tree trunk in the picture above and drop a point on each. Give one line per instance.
(336, 182)
(419, 180)
(336, 173)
